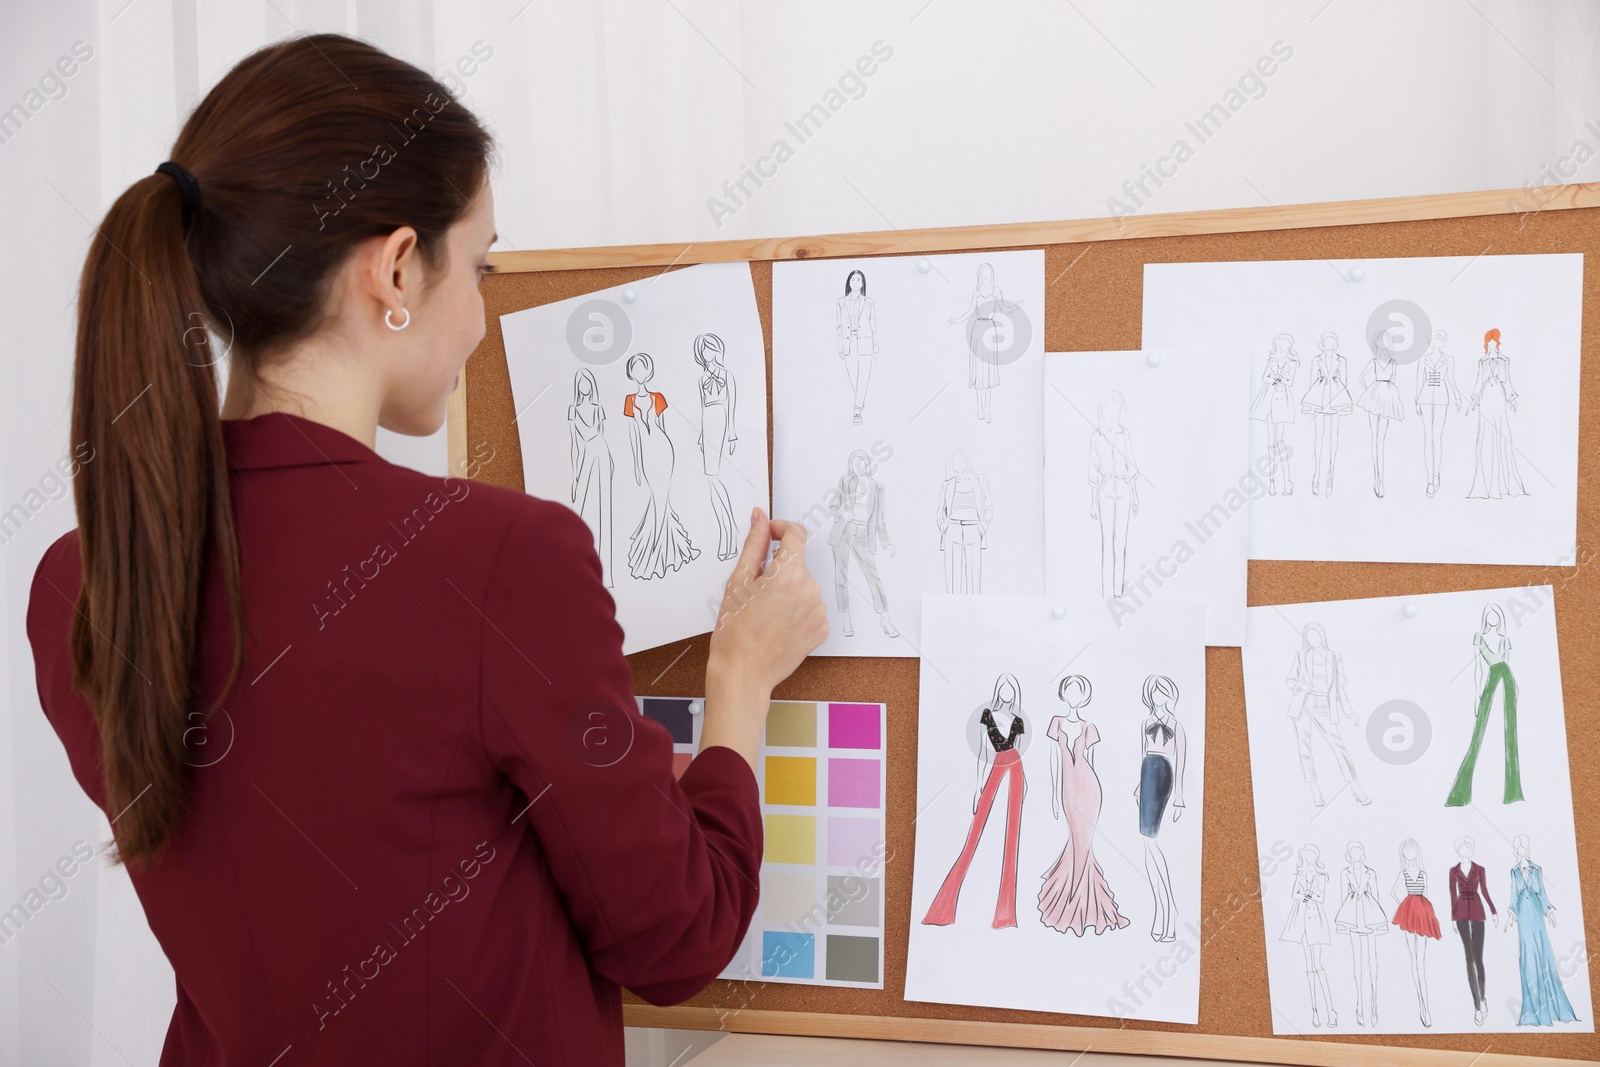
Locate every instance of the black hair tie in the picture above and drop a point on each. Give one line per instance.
(186, 182)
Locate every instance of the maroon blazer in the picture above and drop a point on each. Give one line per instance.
(429, 826)
(1465, 891)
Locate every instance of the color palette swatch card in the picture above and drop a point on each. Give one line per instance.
(821, 775)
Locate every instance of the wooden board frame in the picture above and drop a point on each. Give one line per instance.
(1099, 308)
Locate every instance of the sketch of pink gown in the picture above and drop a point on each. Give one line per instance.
(659, 543)
(1075, 896)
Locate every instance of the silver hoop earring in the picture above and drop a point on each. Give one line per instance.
(389, 323)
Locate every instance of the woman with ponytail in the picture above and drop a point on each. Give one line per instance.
(365, 738)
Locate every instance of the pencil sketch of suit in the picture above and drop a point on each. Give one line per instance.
(858, 530)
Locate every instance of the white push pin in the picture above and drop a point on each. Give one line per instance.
(696, 707)
(924, 266)
(629, 295)
(1153, 358)
(1058, 612)
(1357, 273)
(1409, 611)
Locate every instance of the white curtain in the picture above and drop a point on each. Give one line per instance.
(624, 121)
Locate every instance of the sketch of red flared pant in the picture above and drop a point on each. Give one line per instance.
(1008, 767)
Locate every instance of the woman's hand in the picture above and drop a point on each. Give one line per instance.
(771, 618)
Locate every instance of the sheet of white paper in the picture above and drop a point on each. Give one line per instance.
(906, 433)
(1373, 460)
(1375, 711)
(976, 651)
(668, 490)
(1148, 481)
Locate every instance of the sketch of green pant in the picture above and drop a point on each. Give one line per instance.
(1461, 792)
(1318, 717)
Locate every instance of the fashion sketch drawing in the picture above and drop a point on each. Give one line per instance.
(1469, 893)
(1381, 400)
(856, 330)
(1075, 896)
(1544, 1002)
(1436, 395)
(1361, 917)
(984, 315)
(1003, 727)
(1491, 670)
(592, 468)
(1308, 927)
(1113, 491)
(1327, 400)
(963, 518)
(1274, 406)
(1160, 780)
(1318, 702)
(1414, 914)
(1494, 398)
(659, 543)
(718, 433)
(859, 530)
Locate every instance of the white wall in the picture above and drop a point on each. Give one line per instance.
(618, 122)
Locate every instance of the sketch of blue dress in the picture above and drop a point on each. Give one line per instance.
(659, 543)
(1544, 1002)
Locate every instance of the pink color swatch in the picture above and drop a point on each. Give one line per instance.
(853, 783)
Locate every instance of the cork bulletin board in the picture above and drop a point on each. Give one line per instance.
(1094, 280)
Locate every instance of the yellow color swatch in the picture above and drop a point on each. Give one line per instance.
(792, 780)
(791, 838)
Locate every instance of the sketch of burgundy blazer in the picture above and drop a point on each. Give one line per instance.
(1468, 894)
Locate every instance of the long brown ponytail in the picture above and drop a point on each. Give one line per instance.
(302, 151)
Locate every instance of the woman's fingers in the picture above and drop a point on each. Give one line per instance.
(754, 552)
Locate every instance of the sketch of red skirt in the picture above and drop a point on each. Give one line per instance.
(1415, 916)
(1007, 765)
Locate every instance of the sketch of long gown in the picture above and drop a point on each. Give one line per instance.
(659, 543)
(1544, 1002)
(592, 467)
(1495, 474)
(1075, 896)
(718, 434)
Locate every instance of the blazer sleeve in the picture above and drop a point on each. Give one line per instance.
(659, 877)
